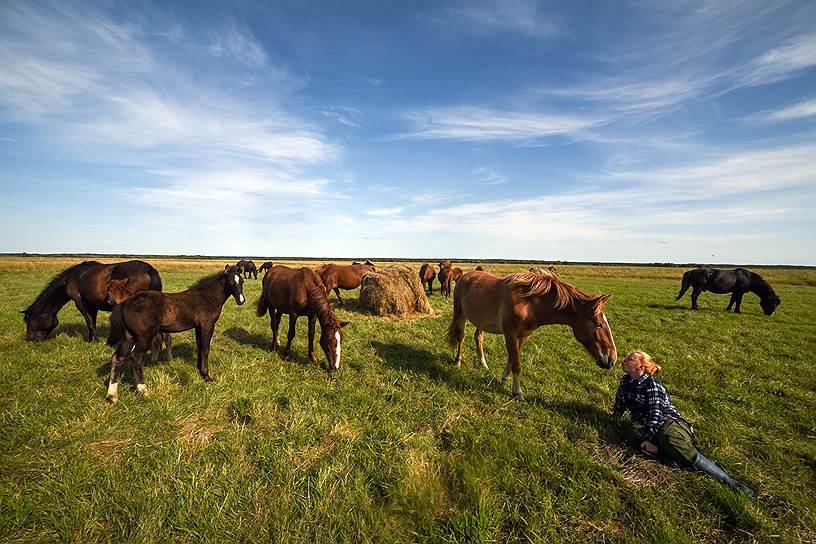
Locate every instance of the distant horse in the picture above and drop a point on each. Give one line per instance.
(517, 305)
(265, 266)
(117, 292)
(445, 275)
(480, 268)
(456, 273)
(737, 282)
(339, 276)
(247, 267)
(427, 274)
(85, 284)
(137, 320)
(300, 292)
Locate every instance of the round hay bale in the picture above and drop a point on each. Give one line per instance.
(393, 290)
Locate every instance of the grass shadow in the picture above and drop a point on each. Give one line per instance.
(76, 329)
(609, 429)
(658, 306)
(181, 352)
(243, 336)
(404, 357)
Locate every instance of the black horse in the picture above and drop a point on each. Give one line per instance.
(137, 320)
(86, 284)
(737, 282)
(248, 268)
(265, 266)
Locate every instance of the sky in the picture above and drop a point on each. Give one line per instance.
(562, 131)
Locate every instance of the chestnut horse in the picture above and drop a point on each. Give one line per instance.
(339, 276)
(85, 284)
(300, 292)
(137, 320)
(445, 276)
(117, 292)
(517, 305)
(427, 273)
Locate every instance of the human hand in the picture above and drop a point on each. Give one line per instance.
(648, 447)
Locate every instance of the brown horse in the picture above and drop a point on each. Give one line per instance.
(456, 273)
(339, 276)
(480, 268)
(137, 320)
(445, 276)
(247, 268)
(85, 284)
(427, 274)
(117, 292)
(300, 292)
(517, 305)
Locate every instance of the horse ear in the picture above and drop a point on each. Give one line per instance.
(343, 324)
(598, 303)
(227, 268)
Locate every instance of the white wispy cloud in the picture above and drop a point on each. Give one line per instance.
(520, 17)
(799, 110)
(489, 176)
(350, 117)
(385, 212)
(470, 123)
(88, 83)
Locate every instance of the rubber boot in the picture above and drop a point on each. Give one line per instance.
(706, 465)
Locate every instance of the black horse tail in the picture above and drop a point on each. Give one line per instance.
(685, 285)
(262, 307)
(117, 326)
(456, 329)
(155, 280)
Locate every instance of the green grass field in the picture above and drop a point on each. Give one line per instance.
(399, 445)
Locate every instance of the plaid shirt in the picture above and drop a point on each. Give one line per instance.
(646, 398)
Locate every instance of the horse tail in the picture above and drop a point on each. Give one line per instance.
(456, 329)
(685, 285)
(155, 280)
(262, 307)
(117, 326)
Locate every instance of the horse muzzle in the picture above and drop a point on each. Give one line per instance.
(605, 362)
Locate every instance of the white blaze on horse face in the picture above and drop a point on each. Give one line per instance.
(610, 332)
(237, 280)
(241, 298)
(338, 349)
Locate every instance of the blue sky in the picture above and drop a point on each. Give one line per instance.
(593, 131)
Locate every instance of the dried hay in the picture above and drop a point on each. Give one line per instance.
(394, 290)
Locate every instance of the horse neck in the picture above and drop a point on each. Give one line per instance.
(760, 287)
(215, 292)
(543, 309)
(319, 302)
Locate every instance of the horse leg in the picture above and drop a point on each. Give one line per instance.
(203, 337)
(274, 324)
(290, 335)
(738, 300)
(731, 302)
(90, 322)
(312, 321)
(168, 346)
(117, 362)
(694, 294)
(155, 347)
(337, 292)
(141, 347)
(514, 362)
(478, 336)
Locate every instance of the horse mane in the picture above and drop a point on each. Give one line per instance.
(56, 283)
(761, 287)
(317, 299)
(207, 280)
(322, 267)
(540, 283)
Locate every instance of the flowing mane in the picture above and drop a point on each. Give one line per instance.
(57, 282)
(317, 299)
(540, 283)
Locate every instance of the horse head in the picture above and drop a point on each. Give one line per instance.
(591, 328)
(331, 341)
(39, 326)
(234, 283)
(116, 291)
(769, 303)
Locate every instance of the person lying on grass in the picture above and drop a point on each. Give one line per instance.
(656, 426)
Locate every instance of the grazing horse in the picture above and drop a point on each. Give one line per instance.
(247, 267)
(456, 273)
(137, 320)
(427, 273)
(300, 292)
(85, 284)
(445, 275)
(737, 282)
(517, 305)
(117, 292)
(480, 268)
(339, 276)
(265, 266)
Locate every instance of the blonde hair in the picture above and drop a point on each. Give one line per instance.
(645, 360)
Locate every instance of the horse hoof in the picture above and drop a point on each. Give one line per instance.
(207, 378)
(113, 399)
(141, 389)
(520, 399)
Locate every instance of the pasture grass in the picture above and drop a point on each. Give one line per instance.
(400, 445)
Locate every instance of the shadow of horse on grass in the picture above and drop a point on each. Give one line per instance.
(183, 353)
(254, 339)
